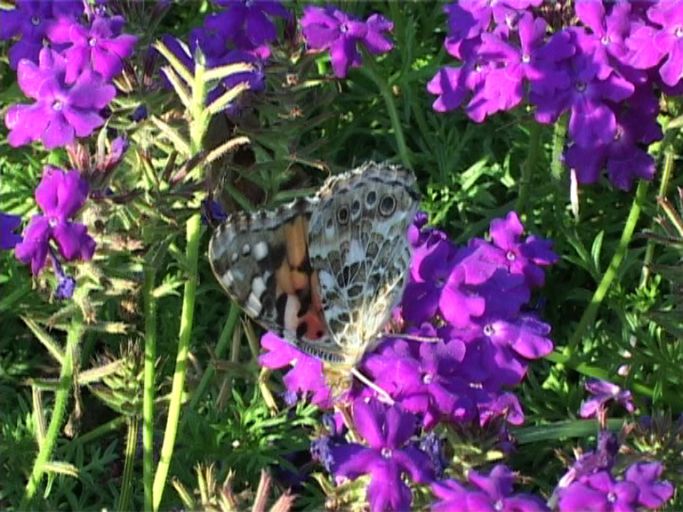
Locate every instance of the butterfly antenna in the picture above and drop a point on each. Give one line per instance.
(382, 394)
(412, 337)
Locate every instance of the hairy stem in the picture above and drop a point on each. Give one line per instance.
(149, 388)
(559, 137)
(589, 315)
(123, 501)
(193, 235)
(667, 172)
(73, 338)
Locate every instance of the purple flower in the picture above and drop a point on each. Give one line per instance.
(608, 32)
(248, 22)
(652, 493)
(331, 29)
(600, 491)
(306, 375)
(534, 61)
(386, 458)
(592, 121)
(491, 493)
(66, 284)
(60, 194)
(30, 21)
(100, 47)
(604, 392)
(8, 223)
(420, 376)
(649, 45)
(602, 458)
(62, 111)
(520, 257)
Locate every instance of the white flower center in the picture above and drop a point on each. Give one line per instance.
(581, 86)
(488, 330)
(57, 105)
(428, 378)
(678, 32)
(386, 453)
(35, 21)
(510, 256)
(526, 58)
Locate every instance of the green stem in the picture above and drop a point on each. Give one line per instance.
(149, 388)
(589, 315)
(193, 235)
(73, 338)
(528, 166)
(123, 501)
(370, 69)
(221, 346)
(667, 172)
(559, 137)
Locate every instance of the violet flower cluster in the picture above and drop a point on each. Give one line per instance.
(54, 234)
(591, 483)
(333, 30)
(240, 31)
(602, 71)
(69, 78)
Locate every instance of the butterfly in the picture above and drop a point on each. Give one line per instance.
(324, 272)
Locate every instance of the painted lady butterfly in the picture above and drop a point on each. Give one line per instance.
(323, 272)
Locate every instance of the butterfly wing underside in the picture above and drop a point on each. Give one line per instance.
(359, 250)
(262, 262)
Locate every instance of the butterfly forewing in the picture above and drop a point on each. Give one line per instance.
(359, 250)
(262, 262)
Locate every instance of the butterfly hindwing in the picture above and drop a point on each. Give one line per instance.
(262, 262)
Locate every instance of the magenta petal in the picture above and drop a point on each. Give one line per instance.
(33, 248)
(368, 420)
(386, 490)
(57, 133)
(26, 123)
(353, 460)
(83, 122)
(399, 426)
(73, 241)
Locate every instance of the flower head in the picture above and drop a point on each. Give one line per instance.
(306, 375)
(30, 21)
(492, 492)
(331, 29)
(387, 456)
(8, 224)
(100, 47)
(604, 392)
(62, 111)
(248, 23)
(60, 195)
(640, 488)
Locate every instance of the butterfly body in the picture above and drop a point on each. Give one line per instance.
(323, 272)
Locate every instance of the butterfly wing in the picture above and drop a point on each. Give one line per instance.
(262, 262)
(359, 250)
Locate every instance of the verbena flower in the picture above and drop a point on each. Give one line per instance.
(387, 456)
(487, 493)
(62, 111)
(8, 224)
(306, 374)
(100, 47)
(659, 40)
(604, 392)
(640, 488)
(30, 21)
(248, 23)
(329, 28)
(60, 195)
